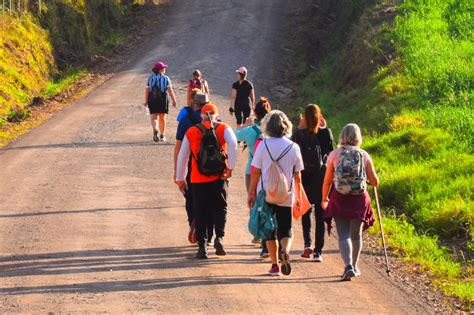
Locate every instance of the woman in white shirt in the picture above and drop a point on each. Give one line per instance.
(277, 146)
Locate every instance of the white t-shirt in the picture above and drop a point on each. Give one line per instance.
(290, 163)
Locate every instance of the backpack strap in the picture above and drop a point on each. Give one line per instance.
(287, 149)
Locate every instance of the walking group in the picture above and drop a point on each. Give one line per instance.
(289, 173)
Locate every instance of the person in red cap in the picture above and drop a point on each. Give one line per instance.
(156, 98)
(242, 97)
(213, 148)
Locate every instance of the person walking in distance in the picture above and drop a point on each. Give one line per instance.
(199, 83)
(242, 97)
(158, 90)
(184, 111)
(249, 136)
(277, 149)
(213, 147)
(348, 169)
(192, 118)
(315, 143)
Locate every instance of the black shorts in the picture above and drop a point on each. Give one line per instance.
(162, 108)
(283, 218)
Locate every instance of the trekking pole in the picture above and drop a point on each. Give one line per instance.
(379, 214)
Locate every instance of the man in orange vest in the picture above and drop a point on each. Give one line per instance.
(209, 189)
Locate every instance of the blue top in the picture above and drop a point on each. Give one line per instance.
(163, 80)
(248, 135)
(183, 112)
(185, 123)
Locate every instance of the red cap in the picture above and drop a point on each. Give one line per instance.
(209, 108)
(160, 65)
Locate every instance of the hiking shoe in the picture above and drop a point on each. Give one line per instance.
(307, 252)
(219, 246)
(264, 253)
(162, 138)
(274, 270)
(202, 253)
(317, 257)
(155, 135)
(357, 272)
(348, 274)
(285, 264)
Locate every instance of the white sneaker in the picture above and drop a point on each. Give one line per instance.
(162, 138)
(357, 272)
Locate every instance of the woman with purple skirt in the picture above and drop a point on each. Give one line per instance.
(349, 168)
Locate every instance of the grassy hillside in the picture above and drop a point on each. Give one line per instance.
(405, 73)
(42, 54)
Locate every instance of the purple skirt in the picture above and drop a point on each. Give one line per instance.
(349, 207)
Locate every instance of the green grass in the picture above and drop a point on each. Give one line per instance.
(64, 82)
(417, 117)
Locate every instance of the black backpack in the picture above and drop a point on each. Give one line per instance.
(156, 96)
(311, 152)
(210, 159)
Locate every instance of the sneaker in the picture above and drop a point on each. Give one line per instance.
(285, 264)
(274, 270)
(210, 242)
(202, 253)
(348, 273)
(256, 241)
(155, 135)
(192, 233)
(307, 252)
(162, 138)
(219, 246)
(317, 257)
(264, 253)
(357, 272)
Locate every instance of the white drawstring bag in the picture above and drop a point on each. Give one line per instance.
(277, 188)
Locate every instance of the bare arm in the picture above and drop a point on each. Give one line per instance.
(252, 193)
(252, 99)
(372, 175)
(206, 89)
(147, 93)
(171, 93)
(233, 96)
(298, 189)
(328, 178)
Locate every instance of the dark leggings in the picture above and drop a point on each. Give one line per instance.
(320, 228)
(283, 219)
(241, 112)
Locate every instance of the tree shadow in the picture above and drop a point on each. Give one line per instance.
(43, 213)
(90, 145)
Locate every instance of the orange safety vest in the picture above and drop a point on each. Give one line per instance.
(194, 136)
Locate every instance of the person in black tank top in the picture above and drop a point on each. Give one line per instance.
(316, 142)
(242, 98)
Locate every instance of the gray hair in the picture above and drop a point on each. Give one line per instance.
(276, 124)
(350, 135)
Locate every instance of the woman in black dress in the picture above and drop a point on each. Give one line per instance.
(316, 142)
(242, 97)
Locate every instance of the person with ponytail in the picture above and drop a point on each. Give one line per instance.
(316, 142)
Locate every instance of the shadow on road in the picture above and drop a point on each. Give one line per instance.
(86, 145)
(38, 213)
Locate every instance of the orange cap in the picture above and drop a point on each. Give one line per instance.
(211, 108)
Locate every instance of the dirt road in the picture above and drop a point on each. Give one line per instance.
(90, 219)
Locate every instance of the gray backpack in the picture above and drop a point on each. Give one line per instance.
(350, 177)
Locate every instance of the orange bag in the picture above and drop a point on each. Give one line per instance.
(305, 206)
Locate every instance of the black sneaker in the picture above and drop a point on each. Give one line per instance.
(348, 274)
(202, 253)
(219, 246)
(264, 253)
(317, 257)
(155, 136)
(285, 264)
